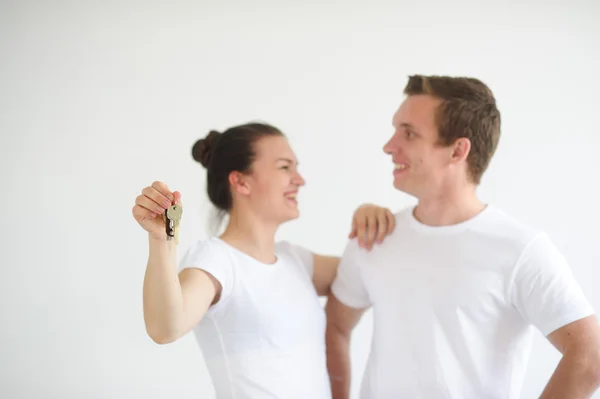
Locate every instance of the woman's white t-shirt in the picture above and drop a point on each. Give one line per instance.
(265, 337)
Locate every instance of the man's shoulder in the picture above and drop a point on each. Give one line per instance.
(493, 223)
(499, 223)
(401, 233)
(500, 220)
(403, 215)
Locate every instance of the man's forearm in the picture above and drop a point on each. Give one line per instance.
(338, 362)
(577, 376)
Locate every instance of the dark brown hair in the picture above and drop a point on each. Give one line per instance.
(223, 153)
(468, 109)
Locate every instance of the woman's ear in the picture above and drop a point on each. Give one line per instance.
(239, 183)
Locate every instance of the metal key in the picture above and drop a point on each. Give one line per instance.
(172, 219)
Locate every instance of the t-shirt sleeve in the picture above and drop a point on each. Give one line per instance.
(206, 256)
(302, 255)
(349, 285)
(544, 290)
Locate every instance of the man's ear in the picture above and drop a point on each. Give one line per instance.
(239, 183)
(462, 147)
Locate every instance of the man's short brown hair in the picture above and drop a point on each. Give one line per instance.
(468, 109)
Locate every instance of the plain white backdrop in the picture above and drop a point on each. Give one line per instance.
(99, 99)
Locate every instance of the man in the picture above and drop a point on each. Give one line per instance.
(457, 286)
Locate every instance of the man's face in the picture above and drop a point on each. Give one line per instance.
(421, 165)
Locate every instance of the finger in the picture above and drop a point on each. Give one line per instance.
(163, 189)
(147, 203)
(382, 224)
(361, 231)
(372, 230)
(353, 230)
(140, 213)
(156, 196)
(391, 221)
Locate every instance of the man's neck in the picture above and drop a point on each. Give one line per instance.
(446, 210)
(247, 233)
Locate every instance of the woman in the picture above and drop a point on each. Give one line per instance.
(253, 303)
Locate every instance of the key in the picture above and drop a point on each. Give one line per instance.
(172, 219)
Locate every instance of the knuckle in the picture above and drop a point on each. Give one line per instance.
(158, 185)
(137, 212)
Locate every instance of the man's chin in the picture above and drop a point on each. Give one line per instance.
(400, 185)
(403, 187)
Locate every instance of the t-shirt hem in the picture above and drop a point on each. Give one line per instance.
(549, 328)
(220, 278)
(347, 299)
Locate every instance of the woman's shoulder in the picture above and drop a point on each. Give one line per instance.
(206, 248)
(296, 254)
(287, 248)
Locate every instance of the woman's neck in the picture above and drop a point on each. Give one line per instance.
(251, 235)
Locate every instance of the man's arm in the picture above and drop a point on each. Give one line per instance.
(547, 295)
(341, 320)
(349, 298)
(577, 375)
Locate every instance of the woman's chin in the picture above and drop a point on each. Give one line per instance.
(291, 214)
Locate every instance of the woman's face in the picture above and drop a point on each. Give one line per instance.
(274, 180)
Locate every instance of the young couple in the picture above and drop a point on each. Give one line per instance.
(456, 285)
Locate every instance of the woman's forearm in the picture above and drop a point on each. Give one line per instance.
(163, 299)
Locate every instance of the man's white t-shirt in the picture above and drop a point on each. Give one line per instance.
(265, 337)
(453, 305)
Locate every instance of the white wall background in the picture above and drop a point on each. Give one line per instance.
(100, 99)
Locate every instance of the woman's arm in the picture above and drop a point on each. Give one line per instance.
(174, 303)
(324, 272)
(369, 223)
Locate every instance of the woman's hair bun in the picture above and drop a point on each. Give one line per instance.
(203, 148)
